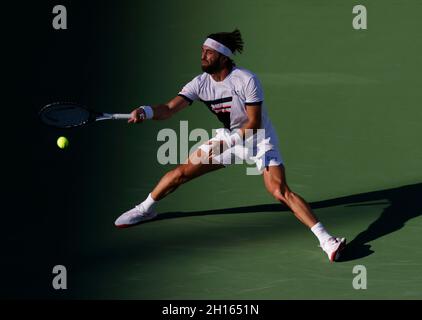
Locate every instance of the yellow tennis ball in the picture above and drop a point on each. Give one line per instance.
(62, 142)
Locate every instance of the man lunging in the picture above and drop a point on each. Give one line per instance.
(235, 96)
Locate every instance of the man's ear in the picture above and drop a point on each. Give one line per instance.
(224, 60)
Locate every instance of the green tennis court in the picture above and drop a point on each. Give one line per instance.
(346, 106)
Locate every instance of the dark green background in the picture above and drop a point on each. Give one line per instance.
(346, 105)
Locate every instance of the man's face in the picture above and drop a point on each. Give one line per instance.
(211, 61)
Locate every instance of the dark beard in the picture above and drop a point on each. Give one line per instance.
(212, 68)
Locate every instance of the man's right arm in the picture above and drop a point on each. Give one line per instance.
(161, 111)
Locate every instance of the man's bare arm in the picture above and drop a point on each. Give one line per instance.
(161, 111)
(254, 112)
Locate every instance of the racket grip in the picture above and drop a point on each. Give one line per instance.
(121, 116)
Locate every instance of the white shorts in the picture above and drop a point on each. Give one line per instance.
(262, 152)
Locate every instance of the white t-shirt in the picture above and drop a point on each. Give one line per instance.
(227, 99)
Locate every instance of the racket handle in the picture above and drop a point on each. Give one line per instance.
(121, 116)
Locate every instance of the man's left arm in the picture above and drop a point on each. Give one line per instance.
(254, 111)
(254, 96)
(253, 123)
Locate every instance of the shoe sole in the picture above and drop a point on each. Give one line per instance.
(124, 226)
(336, 254)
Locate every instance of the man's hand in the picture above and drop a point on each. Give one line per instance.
(137, 116)
(160, 111)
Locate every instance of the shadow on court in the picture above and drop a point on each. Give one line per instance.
(404, 204)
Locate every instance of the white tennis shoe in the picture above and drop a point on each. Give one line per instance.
(134, 216)
(332, 247)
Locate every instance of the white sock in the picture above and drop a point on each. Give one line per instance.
(148, 203)
(320, 232)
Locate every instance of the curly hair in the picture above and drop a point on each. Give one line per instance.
(232, 40)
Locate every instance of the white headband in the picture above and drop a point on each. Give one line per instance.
(219, 47)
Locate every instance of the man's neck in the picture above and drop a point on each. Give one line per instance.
(222, 74)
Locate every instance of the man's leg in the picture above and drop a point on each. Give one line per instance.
(275, 182)
(191, 169)
(183, 173)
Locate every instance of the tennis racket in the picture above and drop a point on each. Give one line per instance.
(69, 115)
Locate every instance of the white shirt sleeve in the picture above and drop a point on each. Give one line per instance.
(253, 91)
(191, 90)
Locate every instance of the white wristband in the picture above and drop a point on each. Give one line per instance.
(149, 112)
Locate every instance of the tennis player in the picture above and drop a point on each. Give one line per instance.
(235, 96)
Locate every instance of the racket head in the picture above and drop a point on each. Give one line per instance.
(66, 115)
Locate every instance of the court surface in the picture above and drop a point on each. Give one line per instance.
(346, 106)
